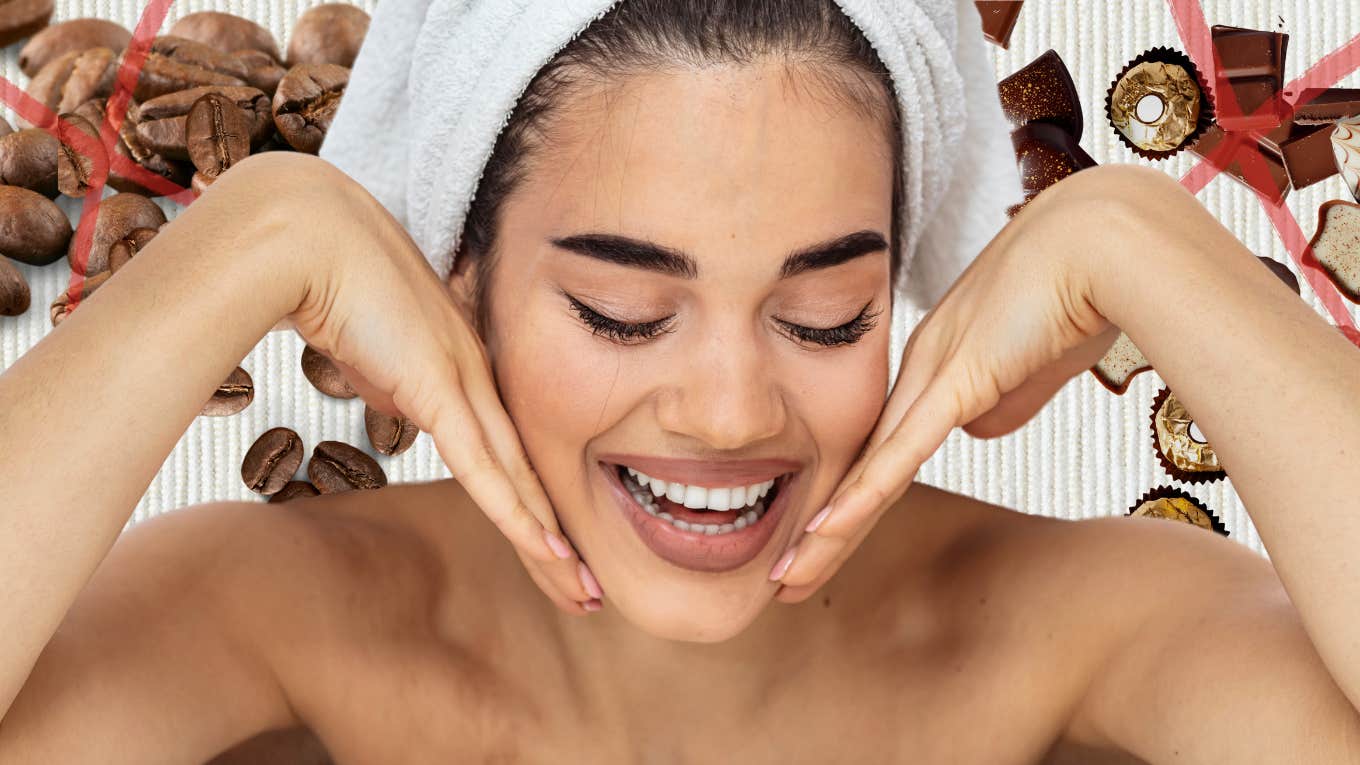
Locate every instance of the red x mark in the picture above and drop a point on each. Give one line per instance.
(1196, 38)
(102, 152)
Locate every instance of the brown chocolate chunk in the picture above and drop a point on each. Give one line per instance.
(1282, 272)
(1250, 72)
(1043, 91)
(1308, 156)
(1323, 106)
(1278, 180)
(1046, 154)
(998, 19)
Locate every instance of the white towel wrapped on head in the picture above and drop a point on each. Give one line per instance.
(438, 79)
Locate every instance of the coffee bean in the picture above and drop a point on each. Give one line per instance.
(232, 396)
(272, 460)
(262, 71)
(324, 376)
(217, 133)
(28, 158)
(293, 490)
(124, 249)
(73, 78)
(200, 183)
(162, 121)
(130, 146)
(226, 32)
(328, 34)
(21, 18)
(305, 103)
(5, 127)
(62, 306)
(73, 35)
(75, 167)
(14, 294)
(175, 63)
(35, 230)
(118, 216)
(389, 435)
(336, 466)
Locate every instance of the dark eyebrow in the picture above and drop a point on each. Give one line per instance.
(639, 253)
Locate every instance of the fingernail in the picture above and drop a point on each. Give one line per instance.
(557, 544)
(588, 581)
(817, 519)
(782, 567)
(592, 605)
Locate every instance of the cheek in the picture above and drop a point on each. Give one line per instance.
(841, 400)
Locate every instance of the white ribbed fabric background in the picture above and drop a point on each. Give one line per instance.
(1088, 454)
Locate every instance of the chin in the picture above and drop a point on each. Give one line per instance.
(691, 613)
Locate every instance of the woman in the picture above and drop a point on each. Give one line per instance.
(707, 314)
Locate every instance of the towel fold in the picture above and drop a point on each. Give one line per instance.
(436, 81)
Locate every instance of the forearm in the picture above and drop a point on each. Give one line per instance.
(1275, 389)
(92, 411)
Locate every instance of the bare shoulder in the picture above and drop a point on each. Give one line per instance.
(1150, 637)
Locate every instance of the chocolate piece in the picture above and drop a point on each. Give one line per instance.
(1047, 154)
(1337, 245)
(1042, 91)
(1182, 449)
(1156, 104)
(1323, 106)
(1346, 153)
(1250, 67)
(1279, 179)
(1308, 157)
(998, 19)
(1283, 273)
(1117, 368)
(1176, 505)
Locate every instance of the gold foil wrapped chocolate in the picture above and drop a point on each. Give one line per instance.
(1157, 105)
(1175, 505)
(1181, 447)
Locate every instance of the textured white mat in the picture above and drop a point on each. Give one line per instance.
(1088, 454)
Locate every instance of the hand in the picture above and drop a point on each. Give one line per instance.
(1016, 326)
(374, 305)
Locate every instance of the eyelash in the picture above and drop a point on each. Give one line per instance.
(628, 334)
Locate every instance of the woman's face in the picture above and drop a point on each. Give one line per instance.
(693, 282)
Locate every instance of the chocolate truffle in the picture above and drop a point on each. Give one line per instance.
(1175, 505)
(1182, 449)
(1156, 104)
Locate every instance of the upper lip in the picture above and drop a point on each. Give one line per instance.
(715, 474)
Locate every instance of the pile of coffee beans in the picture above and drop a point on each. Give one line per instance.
(213, 90)
(335, 466)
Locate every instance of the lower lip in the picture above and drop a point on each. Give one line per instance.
(695, 550)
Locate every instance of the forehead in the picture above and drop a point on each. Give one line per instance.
(696, 157)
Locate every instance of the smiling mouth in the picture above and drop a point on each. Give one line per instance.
(686, 508)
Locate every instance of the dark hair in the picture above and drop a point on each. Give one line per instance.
(638, 34)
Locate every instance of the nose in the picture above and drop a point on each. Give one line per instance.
(725, 396)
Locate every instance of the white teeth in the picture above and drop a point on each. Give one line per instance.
(718, 499)
(696, 497)
(700, 497)
(740, 523)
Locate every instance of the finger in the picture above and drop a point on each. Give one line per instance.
(462, 444)
(563, 571)
(797, 594)
(549, 588)
(884, 477)
(371, 395)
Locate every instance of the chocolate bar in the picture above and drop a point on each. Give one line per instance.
(1324, 106)
(1308, 155)
(1279, 178)
(998, 19)
(1250, 71)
